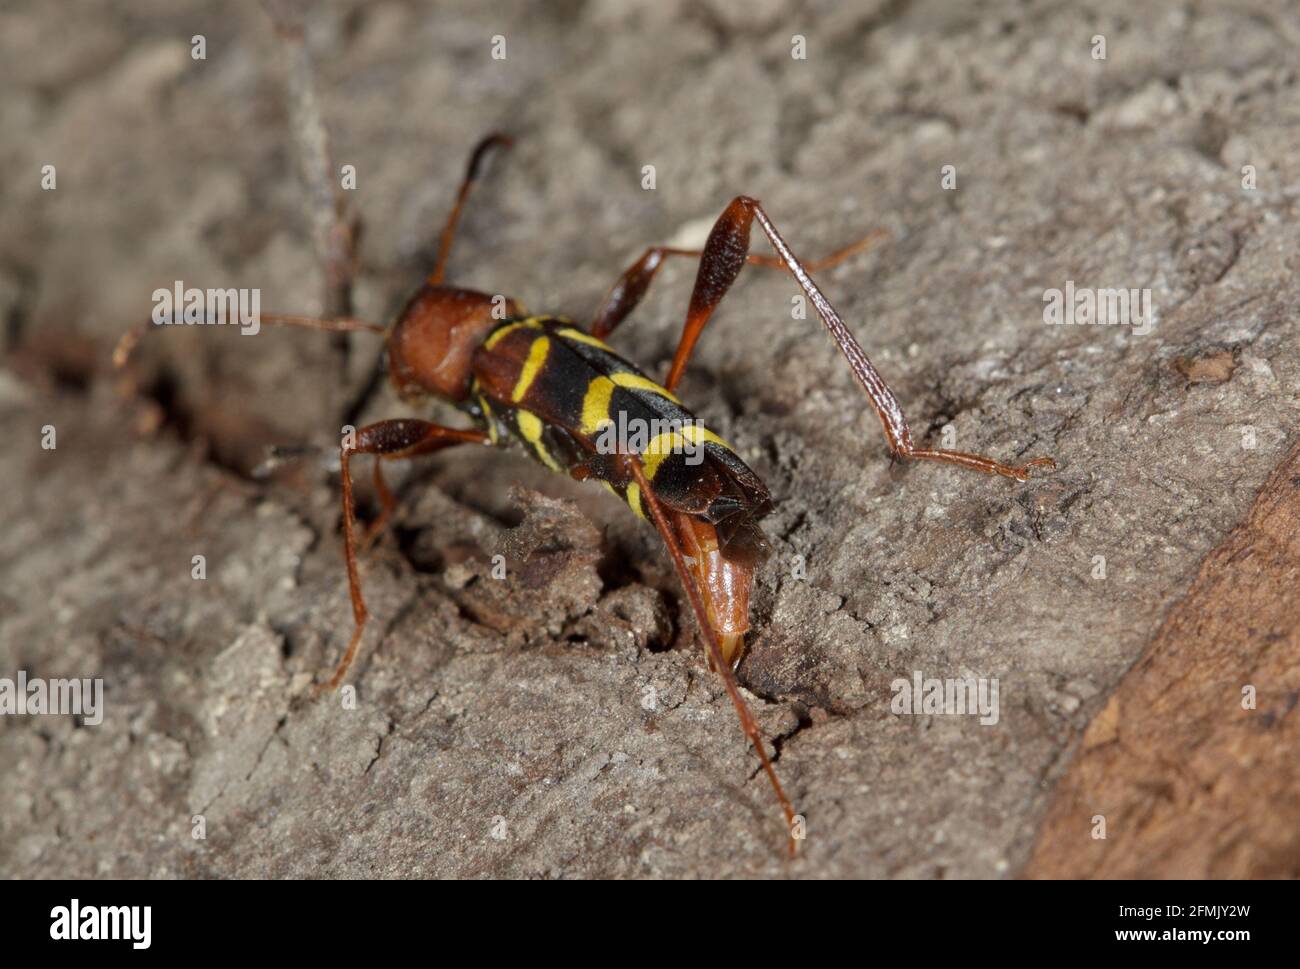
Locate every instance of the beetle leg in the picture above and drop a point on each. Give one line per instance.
(387, 503)
(389, 440)
(715, 652)
(725, 254)
(624, 296)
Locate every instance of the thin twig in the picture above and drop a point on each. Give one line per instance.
(334, 229)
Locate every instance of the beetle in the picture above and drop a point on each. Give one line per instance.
(557, 390)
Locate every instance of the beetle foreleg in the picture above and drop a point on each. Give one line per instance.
(387, 440)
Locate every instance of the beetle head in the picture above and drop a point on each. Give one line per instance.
(432, 343)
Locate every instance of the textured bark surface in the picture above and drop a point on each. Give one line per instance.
(1192, 762)
(560, 722)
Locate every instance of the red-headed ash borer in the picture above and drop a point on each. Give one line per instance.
(557, 389)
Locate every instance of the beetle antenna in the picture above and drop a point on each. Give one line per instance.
(472, 172)
(126, 345)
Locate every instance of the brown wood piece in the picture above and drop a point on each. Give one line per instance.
(1191, 784)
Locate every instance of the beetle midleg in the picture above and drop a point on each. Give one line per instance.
(389, 440)
(387, 503)
(624, 296)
